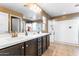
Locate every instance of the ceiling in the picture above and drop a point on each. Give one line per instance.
(57, 9)
(20, 8)
(53, 9)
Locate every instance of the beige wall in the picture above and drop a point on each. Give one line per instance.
(67, 17)
(10, 12)
(47, 18)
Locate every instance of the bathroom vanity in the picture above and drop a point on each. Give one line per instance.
(33, 45)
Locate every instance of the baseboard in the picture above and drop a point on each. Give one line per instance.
(65, 43)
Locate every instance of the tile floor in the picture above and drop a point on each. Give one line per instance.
(57, 49)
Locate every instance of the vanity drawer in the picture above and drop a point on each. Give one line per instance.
(16, 50)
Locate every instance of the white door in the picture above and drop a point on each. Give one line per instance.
(67, 31)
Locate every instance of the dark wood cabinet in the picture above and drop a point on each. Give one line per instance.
(48, 41)
(31, 47)
(16, 50)
(34, 47)
(39, 46)
(44, 43)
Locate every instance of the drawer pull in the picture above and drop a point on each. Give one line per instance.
(27, 45)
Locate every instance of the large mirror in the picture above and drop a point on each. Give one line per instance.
(37, 26)
(16, 24)
(3, 22)
(23, 25)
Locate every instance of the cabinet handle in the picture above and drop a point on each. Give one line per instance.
(27, 45)
(22, 47)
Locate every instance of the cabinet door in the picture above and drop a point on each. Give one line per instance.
(31, 48)
(16, 50)
(44, 44)
(39, 46)
(48, 41)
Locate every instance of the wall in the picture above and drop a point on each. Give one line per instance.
(62, 31)
(51, 25)
(3, 22)
(43, 13)
(10, 13)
